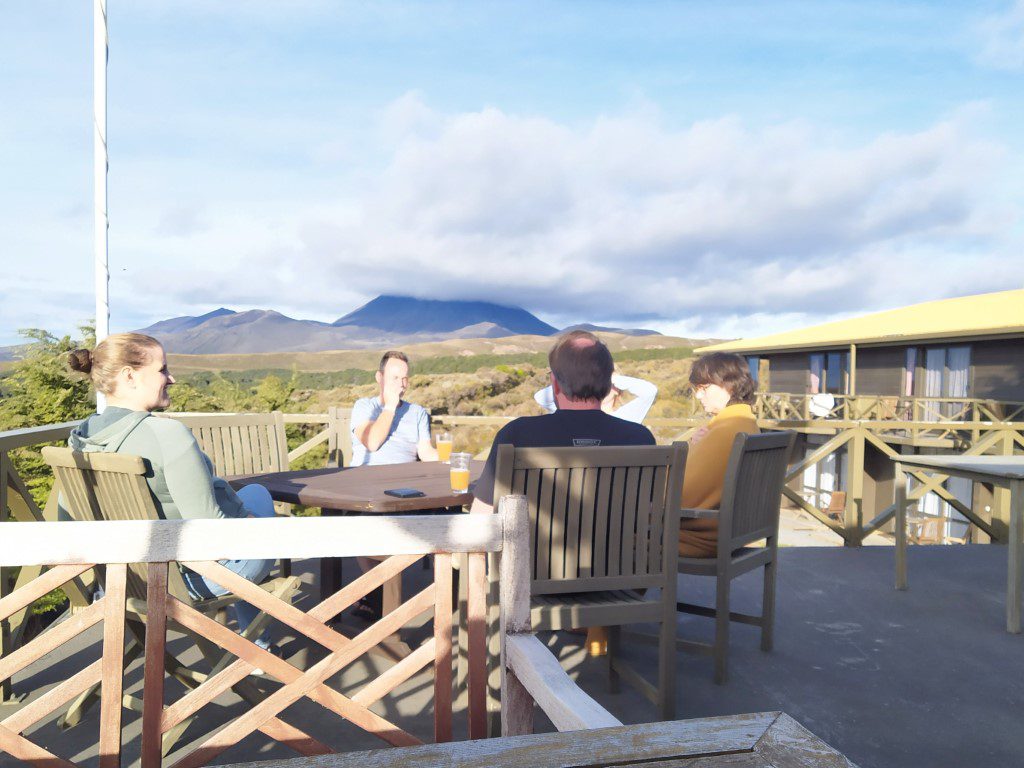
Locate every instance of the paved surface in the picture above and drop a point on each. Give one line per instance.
(923, 678)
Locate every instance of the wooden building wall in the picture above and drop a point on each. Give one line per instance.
(789, 372)
(998, 369)
(880, 370)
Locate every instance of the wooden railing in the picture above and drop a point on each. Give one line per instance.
(787, 406)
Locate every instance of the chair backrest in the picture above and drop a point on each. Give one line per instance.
(108, 486)
(70, 548)
(752, 490)
(597, 515)
(239, 443)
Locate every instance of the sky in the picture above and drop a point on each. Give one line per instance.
(705, 169)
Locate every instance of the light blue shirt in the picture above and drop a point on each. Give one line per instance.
(410, 425)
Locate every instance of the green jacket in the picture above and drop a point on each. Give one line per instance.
(179, 474)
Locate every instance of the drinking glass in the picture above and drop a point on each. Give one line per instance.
(459, 472)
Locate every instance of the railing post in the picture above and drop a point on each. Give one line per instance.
(5, 573)
(854, 513)
(332, 436)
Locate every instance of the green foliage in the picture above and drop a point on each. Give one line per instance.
(40, 389)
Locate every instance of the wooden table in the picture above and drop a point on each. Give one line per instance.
(361, 490)
(1003, 471)
(763, 740)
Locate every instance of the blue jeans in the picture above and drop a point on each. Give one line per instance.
(258, 502)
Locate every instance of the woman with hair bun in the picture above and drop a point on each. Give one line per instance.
(723, 385)
(131, 370)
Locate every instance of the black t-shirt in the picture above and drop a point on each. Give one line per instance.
(561, 429)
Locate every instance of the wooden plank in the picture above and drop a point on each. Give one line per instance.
(787, 744)
(565, 704)
(514, 602)
(1015, 557)
(153, 675)
(586, 551)
(23, 749)
(113, 603)
(56, 697)
(643, 744)
(601, 526)
(572, 530)
(397, 674)
(476, 618)
(559, 520)
(642, 541)
(146, 541)
(41, 585)
(629, 514)
(443, 648)
(50, 640)
(542, 550)
(614, 522)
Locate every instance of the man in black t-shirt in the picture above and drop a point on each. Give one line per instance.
(581, 377)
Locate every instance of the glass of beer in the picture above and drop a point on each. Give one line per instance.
(460, 472)
(444, 446)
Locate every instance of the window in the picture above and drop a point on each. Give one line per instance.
(754, 363)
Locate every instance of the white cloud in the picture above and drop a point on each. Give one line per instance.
(1002, 38)
(714, 227)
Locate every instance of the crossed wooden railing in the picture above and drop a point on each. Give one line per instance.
(126, 550)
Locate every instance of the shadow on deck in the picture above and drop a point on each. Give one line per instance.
(927, 677)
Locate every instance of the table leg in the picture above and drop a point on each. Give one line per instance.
(1016, 545)
(901, 527)
(330, 567)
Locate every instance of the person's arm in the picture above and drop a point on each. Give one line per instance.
(546, 399)
(644, 394)
(373, 434)
(425, 451)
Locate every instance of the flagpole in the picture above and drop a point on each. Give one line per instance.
(101, 164)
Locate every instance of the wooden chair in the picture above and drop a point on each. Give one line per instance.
(529, 672)
(239, 443)
(751, 498)
(112, 486)
(604, 528)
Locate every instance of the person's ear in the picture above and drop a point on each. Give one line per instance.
(379, 377)
(127, 374)
(555, 388)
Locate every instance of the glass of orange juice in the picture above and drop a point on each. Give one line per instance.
(444, 446)
(460, 472)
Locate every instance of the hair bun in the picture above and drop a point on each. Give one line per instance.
(80, 360)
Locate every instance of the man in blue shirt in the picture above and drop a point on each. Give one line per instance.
(387, 429)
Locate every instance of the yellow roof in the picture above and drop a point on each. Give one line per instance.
(987, 314)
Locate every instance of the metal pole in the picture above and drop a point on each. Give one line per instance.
(100, 166)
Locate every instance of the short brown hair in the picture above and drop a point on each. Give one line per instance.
(582, 366)
(117, 351)
(392, 354)
(728, 371)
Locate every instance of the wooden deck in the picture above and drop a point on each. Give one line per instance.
(927, 677)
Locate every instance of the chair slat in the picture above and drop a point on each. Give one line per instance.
(559, 511)
(629, 514)
(588, 495)
(642, 542)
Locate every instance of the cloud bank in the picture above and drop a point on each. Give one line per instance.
(629, 219)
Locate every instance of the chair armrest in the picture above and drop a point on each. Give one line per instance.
(565, 704)
(698, 514)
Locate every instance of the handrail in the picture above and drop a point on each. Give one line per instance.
(13, 439)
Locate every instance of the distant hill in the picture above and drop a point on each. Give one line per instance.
(605, 329)
(403, 314)
(385, 321)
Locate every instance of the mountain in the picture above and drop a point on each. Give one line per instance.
(605, 329)
(385, 321)
(403, 314)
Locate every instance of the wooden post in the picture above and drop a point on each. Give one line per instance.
(901, 527)
(851, 368)
(5, 573)
(516, 704)
(854, 513)
(1013, 586)
(333, 452)
(112, 665)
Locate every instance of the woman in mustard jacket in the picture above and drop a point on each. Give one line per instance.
(724, 387)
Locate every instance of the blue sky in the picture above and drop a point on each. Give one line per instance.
(707, 169)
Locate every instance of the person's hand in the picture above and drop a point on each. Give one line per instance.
(699, 435)
(392, 394)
